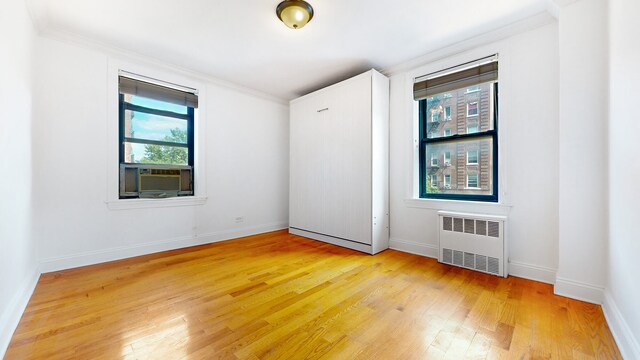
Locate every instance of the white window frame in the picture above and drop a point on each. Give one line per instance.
(434, 115)
(447, 184)
(477, 181)
(475, 88)
(447, 159)
(477, 157)
(444, 133)
(477, 108)
(447, 118)
(434, 183)
(434, 158)
(113, 200)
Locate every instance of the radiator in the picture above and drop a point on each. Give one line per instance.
(474, 241)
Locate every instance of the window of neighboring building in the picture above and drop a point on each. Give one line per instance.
(447, 132)
(472, 181)
(435, 116)
(434, 160)
(434, 180)
(472, 108)
(447, 158)
(447, 113)
(156, 134)
(473, 89)
(472, 157)
(479, 144)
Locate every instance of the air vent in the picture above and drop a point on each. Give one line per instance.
(457, 258)
(457, 224)
(469, 260)
(494, 229)
(481, 262)
(481, 227)
(447, 256)
(493, 266)
(468, 226)
(447, 223)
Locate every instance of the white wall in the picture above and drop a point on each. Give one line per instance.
(18, 262)
(246, 145)
(528, 131)
(623, 292)
(583, 150)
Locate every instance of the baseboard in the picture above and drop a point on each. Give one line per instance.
(627, 342)
(413, 247)
(10, 316)
(532, 272)
(578, 290)
(123, 252)
(353, 245)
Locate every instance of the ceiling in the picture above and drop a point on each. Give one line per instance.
(242, 41)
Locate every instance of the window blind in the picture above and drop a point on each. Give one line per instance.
(157, 92)
(466, 75)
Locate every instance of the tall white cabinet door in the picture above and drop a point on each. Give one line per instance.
(331, 161)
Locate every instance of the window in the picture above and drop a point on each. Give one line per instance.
(434, 160)
(472, 181)
(434, 180)
(472, 109)
(435, 116)
(475, 149)
(472, 157)
(156, 138)
(473, 89)
(447, 113)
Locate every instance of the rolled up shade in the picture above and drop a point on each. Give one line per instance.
(430, 85)
(157, 92)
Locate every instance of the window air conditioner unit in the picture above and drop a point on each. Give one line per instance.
(155, 181)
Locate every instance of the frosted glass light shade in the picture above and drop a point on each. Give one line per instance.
(294, 13)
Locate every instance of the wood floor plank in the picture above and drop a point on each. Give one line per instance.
(281, 296)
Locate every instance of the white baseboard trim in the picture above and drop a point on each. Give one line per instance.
(532, 272)
(578, 290)
(413, 247)
(123, 252)
(11, 315)
(627, 342)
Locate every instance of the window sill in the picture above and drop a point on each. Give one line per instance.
(459, 206)
(126, 204)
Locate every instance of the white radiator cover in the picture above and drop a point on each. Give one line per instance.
(474, 241)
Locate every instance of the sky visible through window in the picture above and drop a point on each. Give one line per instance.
(152, 127)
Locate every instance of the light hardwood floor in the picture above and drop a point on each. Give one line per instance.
(277, 295)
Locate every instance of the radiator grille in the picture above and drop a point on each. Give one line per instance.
(447, 223)
(493, 265)
(457, 257)
(447, 256)
(494, 229)
(481, 262)
(481, 227)
(469, 260)
(457, 224)
(159, 183)
(468, 226)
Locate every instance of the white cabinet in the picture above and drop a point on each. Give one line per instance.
(339, 164)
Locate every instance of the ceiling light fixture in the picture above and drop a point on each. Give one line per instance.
(294, 13)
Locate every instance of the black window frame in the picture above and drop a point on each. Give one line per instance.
(189, 117)
(424, 140)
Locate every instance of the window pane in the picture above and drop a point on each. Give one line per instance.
(155, 154)
(139, 125)
(462, 162)
(451, 111)
(155, 104)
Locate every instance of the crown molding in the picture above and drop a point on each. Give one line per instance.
(114, 51)
(537, 20)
